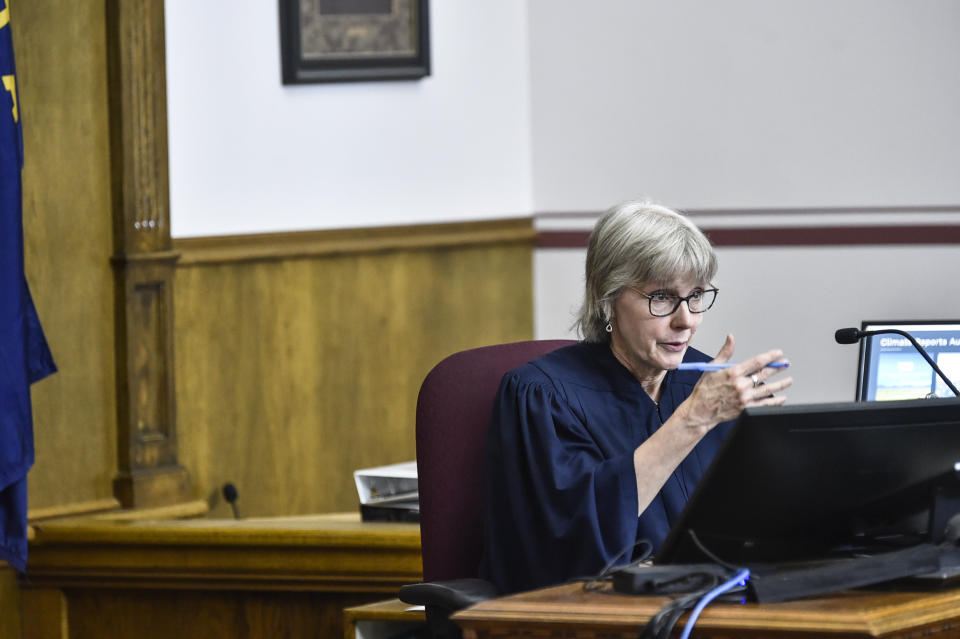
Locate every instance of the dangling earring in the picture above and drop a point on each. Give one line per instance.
(608, 327)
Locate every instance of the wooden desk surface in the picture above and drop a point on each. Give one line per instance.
(569, 611)
(394, 616)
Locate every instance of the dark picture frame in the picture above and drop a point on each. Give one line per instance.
(354, 40)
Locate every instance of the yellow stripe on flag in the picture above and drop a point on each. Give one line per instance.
(10, 84)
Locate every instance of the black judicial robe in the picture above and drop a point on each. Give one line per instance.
(560, 492)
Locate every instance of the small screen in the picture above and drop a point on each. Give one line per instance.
(891, 368)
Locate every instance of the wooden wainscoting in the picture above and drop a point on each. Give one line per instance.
(299, 356)
(68, 242)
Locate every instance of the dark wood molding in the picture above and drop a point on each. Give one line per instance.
(835, 235)
(790, 236)
(309, 244)
(810, 210)
(143, 262)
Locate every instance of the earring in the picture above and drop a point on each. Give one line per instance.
(608, 327)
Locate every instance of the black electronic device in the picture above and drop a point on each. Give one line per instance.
(822, 481)
(669, 580)
(230, 494)
(891, 367)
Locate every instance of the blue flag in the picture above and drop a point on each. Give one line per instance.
(24, 354)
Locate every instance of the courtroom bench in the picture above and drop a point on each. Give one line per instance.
(284, 576)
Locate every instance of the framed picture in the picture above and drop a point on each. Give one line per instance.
(350, 40)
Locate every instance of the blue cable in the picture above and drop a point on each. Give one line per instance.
(740, 577)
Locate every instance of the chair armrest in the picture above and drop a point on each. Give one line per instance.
(450, 595)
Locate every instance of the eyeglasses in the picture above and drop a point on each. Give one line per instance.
(663, 304)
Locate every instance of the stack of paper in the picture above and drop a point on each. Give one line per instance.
(388, 493)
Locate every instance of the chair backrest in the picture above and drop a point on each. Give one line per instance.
(453, 415)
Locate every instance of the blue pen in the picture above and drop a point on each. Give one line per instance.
(710, 366)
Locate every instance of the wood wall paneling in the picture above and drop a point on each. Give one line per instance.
(294, 370)
(9, 603)
(60, 48)
(297, 358)
(301, 354)
(164, 614)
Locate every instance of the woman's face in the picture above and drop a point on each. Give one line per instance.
(649, 345)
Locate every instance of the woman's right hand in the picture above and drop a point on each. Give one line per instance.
(720, 396)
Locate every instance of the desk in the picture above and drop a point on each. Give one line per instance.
(381, 619)
(181, 579)
(567, 611)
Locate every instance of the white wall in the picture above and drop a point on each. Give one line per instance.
(745, 103)
(248, 154)
(545, 105)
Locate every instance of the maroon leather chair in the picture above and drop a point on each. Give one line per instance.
(453, 415)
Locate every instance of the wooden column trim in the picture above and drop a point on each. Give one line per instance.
(143, 262)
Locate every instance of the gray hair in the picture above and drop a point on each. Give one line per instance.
(634, 243)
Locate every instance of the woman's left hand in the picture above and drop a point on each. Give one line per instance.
(720, 396)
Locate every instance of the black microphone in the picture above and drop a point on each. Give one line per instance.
(853, 335)
(230, 494)
(847, 335)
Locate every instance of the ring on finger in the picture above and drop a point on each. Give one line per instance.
(756, 380)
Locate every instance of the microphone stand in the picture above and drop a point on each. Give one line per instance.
(921, 350)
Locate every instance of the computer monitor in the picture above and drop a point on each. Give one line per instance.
(891, 368)
(819, 481)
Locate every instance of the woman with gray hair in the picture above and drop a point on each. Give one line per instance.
(599, 444)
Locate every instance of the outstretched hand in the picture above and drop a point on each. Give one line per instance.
(720, 396)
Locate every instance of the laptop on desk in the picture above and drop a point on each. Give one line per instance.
(891, 368)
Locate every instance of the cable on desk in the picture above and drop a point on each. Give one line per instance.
(737, 580)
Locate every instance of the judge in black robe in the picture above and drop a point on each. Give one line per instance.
(599, 445)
